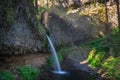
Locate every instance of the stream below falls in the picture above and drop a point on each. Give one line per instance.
(71, 75)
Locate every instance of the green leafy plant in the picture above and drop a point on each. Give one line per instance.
(99, 50)
(28, 72)
(6, 75)
(95, 58)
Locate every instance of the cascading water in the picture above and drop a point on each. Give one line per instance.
(56, 61)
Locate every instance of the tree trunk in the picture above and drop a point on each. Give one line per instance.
(36, 5)
(118, 12)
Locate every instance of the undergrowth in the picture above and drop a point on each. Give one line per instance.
(105, 54)
(28, 72)
(6, 75)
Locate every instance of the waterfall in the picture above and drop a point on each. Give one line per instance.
(57, 64)
(56, 61)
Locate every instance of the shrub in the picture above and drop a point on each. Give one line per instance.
(28, 72)
(6, 75)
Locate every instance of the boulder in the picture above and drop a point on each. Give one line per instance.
(74, 32)
(60, 31)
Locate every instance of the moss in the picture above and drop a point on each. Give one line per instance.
(6, 75)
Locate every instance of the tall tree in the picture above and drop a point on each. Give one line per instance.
(106, 13)
(118, 12)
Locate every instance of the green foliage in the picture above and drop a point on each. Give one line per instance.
(50, 60)
(28, 72)
(109, 63)
(95, 58)
(91, 55)
(111, 66)
(105, 54)
(6, 75)
(99, 44)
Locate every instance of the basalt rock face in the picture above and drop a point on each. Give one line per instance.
(68, 33)
(21, 36)
(19, 39)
